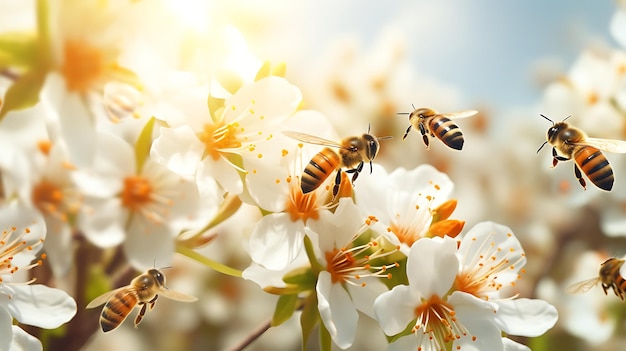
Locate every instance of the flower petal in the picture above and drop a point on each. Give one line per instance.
(102, 221)
(179, 149)
(363, 297)
(510, 345)
(525, 317)
(6, 333)
(22, 341)
(148, 244)
(276, 241)
(336, 310)
(41, 306)
(394, 309)
(432, 265)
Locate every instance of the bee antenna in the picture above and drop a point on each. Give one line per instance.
(544, 116)
(564, 119)
(369, 126)
(407, 113)
(542, 145)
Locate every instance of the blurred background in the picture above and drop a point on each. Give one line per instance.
(363, 62)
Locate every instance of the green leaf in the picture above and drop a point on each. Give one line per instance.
(301, 276)
(309, 318)
(263, 72)
(285, 306)
(216, 107)
(143, 144)
(18, 49)
(23, 93)
(326, 342)
(43, 33)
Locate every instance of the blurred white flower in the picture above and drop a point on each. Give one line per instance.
(32, 304)
(145, 207)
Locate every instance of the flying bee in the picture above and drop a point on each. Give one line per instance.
(353, 152)
(143, 290)
(432, 124)
(569, 142)
(609, 276)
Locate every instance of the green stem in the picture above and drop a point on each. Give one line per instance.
(208, 262)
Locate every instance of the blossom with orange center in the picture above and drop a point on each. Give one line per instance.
(221, 146)
(405, 201)
(133, 206)
(21, 238)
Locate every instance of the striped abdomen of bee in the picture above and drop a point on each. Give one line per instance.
(595, 165)
(447, 131)
(318, 169)
(117, 308)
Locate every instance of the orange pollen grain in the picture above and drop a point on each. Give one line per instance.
(44, 146)
(219, 136)
(437, 318)
(83, 65)
(137, 192)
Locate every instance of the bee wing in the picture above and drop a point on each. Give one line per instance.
(582, 286)
(610, 145)
(459, 114)
(103, 298)
(178, 296)
(311, 139)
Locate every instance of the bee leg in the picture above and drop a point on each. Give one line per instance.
(337, 183)
(579, 176)
(142, 312)
(424, 135)
(407, 132)
(556, 158)
(153, 301)
(371, 167)
(356, 172)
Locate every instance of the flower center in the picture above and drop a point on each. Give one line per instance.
(492, 268)
(48, 198)
(83, 65)
(137, 192)
(436, 319)
(219, 137)
(301, 206)
(412, 220)
(12, 244)
(353, 264)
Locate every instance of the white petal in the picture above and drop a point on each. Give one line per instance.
(525, 317)
(394, 309)
(477, 316)
(6, 332)
(179, 149)
(276, 241)
(222, 172)
(41, 306)
(363, 297)
(432, 265)
(22, 341)
(148, 244)
(510, 345)
(102, 221)
(336, 310)
(57, 245)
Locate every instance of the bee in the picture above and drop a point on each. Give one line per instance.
(434, 124)
(569, 142)
(353, 152)
(143, 290)
(609, 276)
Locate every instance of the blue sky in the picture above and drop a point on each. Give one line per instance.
(486, 48)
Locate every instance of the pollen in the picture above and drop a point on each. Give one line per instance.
(137, 193)
(353, 263)
(219, 137)
(437, 320)
(284, 152)
(48, 197)
(44, 146)
(12, 243)
(301, 207)
(83, 65)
